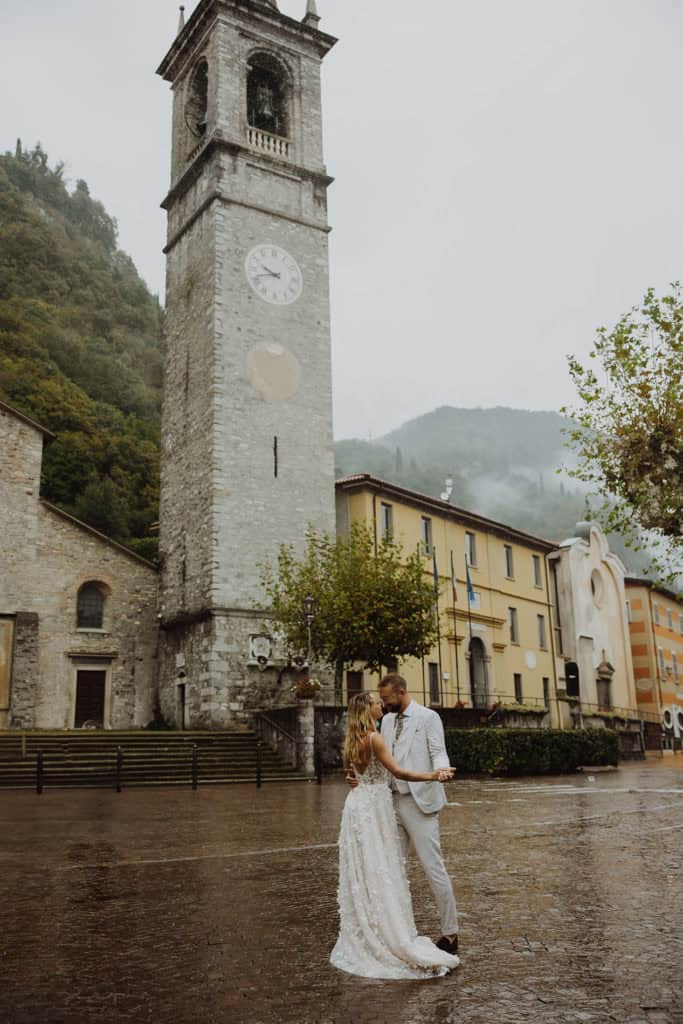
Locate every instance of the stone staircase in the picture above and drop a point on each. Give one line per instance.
(88, 758)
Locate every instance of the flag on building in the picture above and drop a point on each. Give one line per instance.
(470, 589)
(453, 583)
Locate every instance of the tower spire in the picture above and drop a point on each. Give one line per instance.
(311, 16)
(181, 19)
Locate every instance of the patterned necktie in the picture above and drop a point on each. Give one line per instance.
(398, 730)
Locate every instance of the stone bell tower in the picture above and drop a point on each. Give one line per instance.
(247, 459)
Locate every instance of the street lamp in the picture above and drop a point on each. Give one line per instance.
(309, 613)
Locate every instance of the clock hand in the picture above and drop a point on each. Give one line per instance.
(268, 271)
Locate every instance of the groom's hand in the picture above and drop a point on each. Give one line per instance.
(351, 779)
(446, 774)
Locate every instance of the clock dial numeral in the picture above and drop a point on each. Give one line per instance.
(273, 274)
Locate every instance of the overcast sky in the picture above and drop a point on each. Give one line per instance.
(508, 175)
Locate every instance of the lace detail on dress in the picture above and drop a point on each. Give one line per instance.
(377, 933)
(375, 772)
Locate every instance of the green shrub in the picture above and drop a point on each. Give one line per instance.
(530, 751)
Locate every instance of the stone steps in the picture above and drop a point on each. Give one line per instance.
(79, 758)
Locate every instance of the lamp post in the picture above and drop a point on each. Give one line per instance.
(309, 614)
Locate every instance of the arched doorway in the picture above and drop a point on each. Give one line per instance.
(479, 683)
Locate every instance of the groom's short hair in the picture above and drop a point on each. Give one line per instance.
(395, 681)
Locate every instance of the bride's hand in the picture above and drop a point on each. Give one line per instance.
(443, 774)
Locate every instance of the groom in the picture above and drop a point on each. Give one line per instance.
(415, 737)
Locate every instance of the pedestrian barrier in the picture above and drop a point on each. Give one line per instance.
(43, 760)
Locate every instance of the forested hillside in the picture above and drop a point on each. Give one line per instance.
(80, 348)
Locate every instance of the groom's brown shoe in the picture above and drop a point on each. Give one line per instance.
(447, 945)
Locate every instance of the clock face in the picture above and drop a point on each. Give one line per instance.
(274, 275)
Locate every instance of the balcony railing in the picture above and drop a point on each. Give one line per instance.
(274, 145)
(627, 714)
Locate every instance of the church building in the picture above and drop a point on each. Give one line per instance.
(78, 618)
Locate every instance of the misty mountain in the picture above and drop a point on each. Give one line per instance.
(502, 463)
(485, 441)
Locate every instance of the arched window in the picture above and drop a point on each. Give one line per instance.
(198, 100)
(479, 684)
(267, 95)
(90, 606)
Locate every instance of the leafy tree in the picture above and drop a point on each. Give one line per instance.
(629, 426)
(80, 347)
(371, 606)
(102, 505)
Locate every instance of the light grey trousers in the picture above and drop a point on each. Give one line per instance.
(423, 831)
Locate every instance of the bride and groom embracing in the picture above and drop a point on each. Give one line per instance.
(395, 799)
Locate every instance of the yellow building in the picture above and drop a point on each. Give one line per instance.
(656, 626)
(496, 644)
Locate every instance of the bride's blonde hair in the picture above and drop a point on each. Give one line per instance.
(359, 724)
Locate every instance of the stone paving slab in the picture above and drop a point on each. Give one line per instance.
(220, 906)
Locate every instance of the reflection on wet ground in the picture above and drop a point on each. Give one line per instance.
(171, 906)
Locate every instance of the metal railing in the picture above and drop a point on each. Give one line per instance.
(41, 774)
(271, 731)
(492, 701)
(602, 711)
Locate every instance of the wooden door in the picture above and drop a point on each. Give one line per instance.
(90, 698)
(6, 641)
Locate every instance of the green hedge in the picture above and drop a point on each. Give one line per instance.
(530, 751)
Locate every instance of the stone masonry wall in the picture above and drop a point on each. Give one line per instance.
(225, 504)
(69, 556)
(186, 500)
(21, 452)
(25, 671)
(45, 557)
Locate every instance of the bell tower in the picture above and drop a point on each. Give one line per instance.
(247, 460)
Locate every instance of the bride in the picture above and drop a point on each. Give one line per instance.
(377, 934)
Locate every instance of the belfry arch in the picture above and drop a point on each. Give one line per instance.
(268, 94)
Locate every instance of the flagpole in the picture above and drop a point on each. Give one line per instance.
(455, 630)
(469, 619)
(438, 624)
(424, 687)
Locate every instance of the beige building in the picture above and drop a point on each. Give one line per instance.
(78, 623)
(655, 617)
(595, 671)
(497, 647)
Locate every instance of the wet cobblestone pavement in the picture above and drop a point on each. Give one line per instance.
(220, 906)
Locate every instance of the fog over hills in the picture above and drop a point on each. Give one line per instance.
(503, 463)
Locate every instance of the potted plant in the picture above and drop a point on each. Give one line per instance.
(306, 688)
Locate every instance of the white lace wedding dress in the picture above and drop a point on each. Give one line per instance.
(377, 934)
